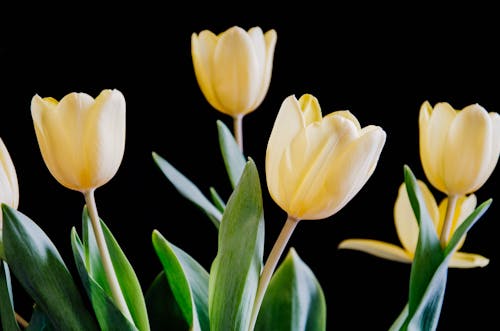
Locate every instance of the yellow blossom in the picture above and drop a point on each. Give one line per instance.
(81, 139)
(316, 165)
(407, 230)
(9, 188)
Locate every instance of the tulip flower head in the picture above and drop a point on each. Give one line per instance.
(459, 149)
(233, 69)
(316, 165)
(9, 188)
(81, 139)
(407, 230)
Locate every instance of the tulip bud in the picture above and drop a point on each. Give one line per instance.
(82, 140)
(316, 165)
(233, 69)
(459, 148)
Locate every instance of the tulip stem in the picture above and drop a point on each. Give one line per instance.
(21, 321)
(448, 219)
(114, 286)
(270, 265)
(238, 130)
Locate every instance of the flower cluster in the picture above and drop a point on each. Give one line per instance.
(315, 164)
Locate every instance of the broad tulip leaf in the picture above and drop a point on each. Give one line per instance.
(7, 314)
(294, 300)
(38, 266)
(108, 315)
(188, 281)
(234, 274)
(39, 321)
(234, 159)
(125, 273)
(187, 189)
(164, 312)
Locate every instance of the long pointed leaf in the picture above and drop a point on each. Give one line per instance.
(7, 314)
(235, 271)
(38, 266)
(188, 281)
(187, 189)
(39, 321)
(234, 159)
(294, 300)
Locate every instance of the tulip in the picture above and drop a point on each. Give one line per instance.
(459, 149)
(82, 140)
(9, 188)
(314, 167)
(233, 69)
(407, 230)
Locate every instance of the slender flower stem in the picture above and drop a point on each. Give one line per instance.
(106, 259)
(238, 130)
(270, 265)
(448, 219)
(21, 321)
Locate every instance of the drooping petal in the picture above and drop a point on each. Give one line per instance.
(467, 260)
(378, 248)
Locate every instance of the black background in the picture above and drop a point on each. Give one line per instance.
(379, 62)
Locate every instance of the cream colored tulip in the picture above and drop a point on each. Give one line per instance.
(459, 149)
(316, 165)
(81, 139)
(407, 230)
(9, 188)
(233, 69)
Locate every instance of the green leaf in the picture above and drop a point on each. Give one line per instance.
(400, 320)
(7, 314)
(38, 266)
(125, 274)
(187, 189)
(234, 159)
(188, 281)
(163, 310)
(39, 321)
(294, 300)
(234, 275)
(219, 203)
(108, 315)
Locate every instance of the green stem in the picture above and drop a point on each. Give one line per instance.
(238, 130)
(270, 265)
(448, 220)
(116, 292)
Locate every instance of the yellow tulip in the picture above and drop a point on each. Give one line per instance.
(9, 188)
(81, 139)
(233, 69)
(459, 149)
(407, 230)
(316, 165)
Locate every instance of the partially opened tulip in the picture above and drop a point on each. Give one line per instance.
(82, 142)
(315, 165)
(9, 188)
(407, 230)
(233, 69)
(459, 149)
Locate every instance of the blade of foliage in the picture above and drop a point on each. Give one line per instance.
(234, 159)
(164, 312)
(36, 263)
(219, 203)
(187, 189)
(294, 300)
(235, 271)
(400, 320)
(7, 314)
(125, 273)
(108, 315)
(39, 321)
(188, 281)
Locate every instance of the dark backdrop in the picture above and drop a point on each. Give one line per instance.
(379, 62)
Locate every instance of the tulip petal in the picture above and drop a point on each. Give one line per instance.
(467, 260)
(467, 154)
(202, 51)
(378, 248)
(8, 180)
(311, 110)
(433, 127)
(270, 38)
(236, 76)
(404, 217)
